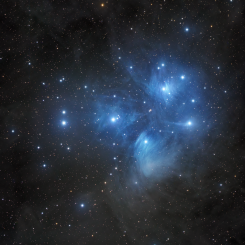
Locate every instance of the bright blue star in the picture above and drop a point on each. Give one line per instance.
(162, 64)
(63, 112)
(64, 123)
(182, 77)
(146, 141)
(193, 101)
(186, 29)
(82, 205)
(44, 165)
(189, 123)
(113, 119)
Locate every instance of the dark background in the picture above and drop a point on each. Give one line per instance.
(168, 169)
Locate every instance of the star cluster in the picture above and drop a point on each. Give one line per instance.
(122, 122)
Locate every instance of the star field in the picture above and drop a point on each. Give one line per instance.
(122, 122)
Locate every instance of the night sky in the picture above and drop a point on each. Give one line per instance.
(122, 122)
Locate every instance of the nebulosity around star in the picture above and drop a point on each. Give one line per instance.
(152, 118)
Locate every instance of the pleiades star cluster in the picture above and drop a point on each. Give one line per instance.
(122, 122)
